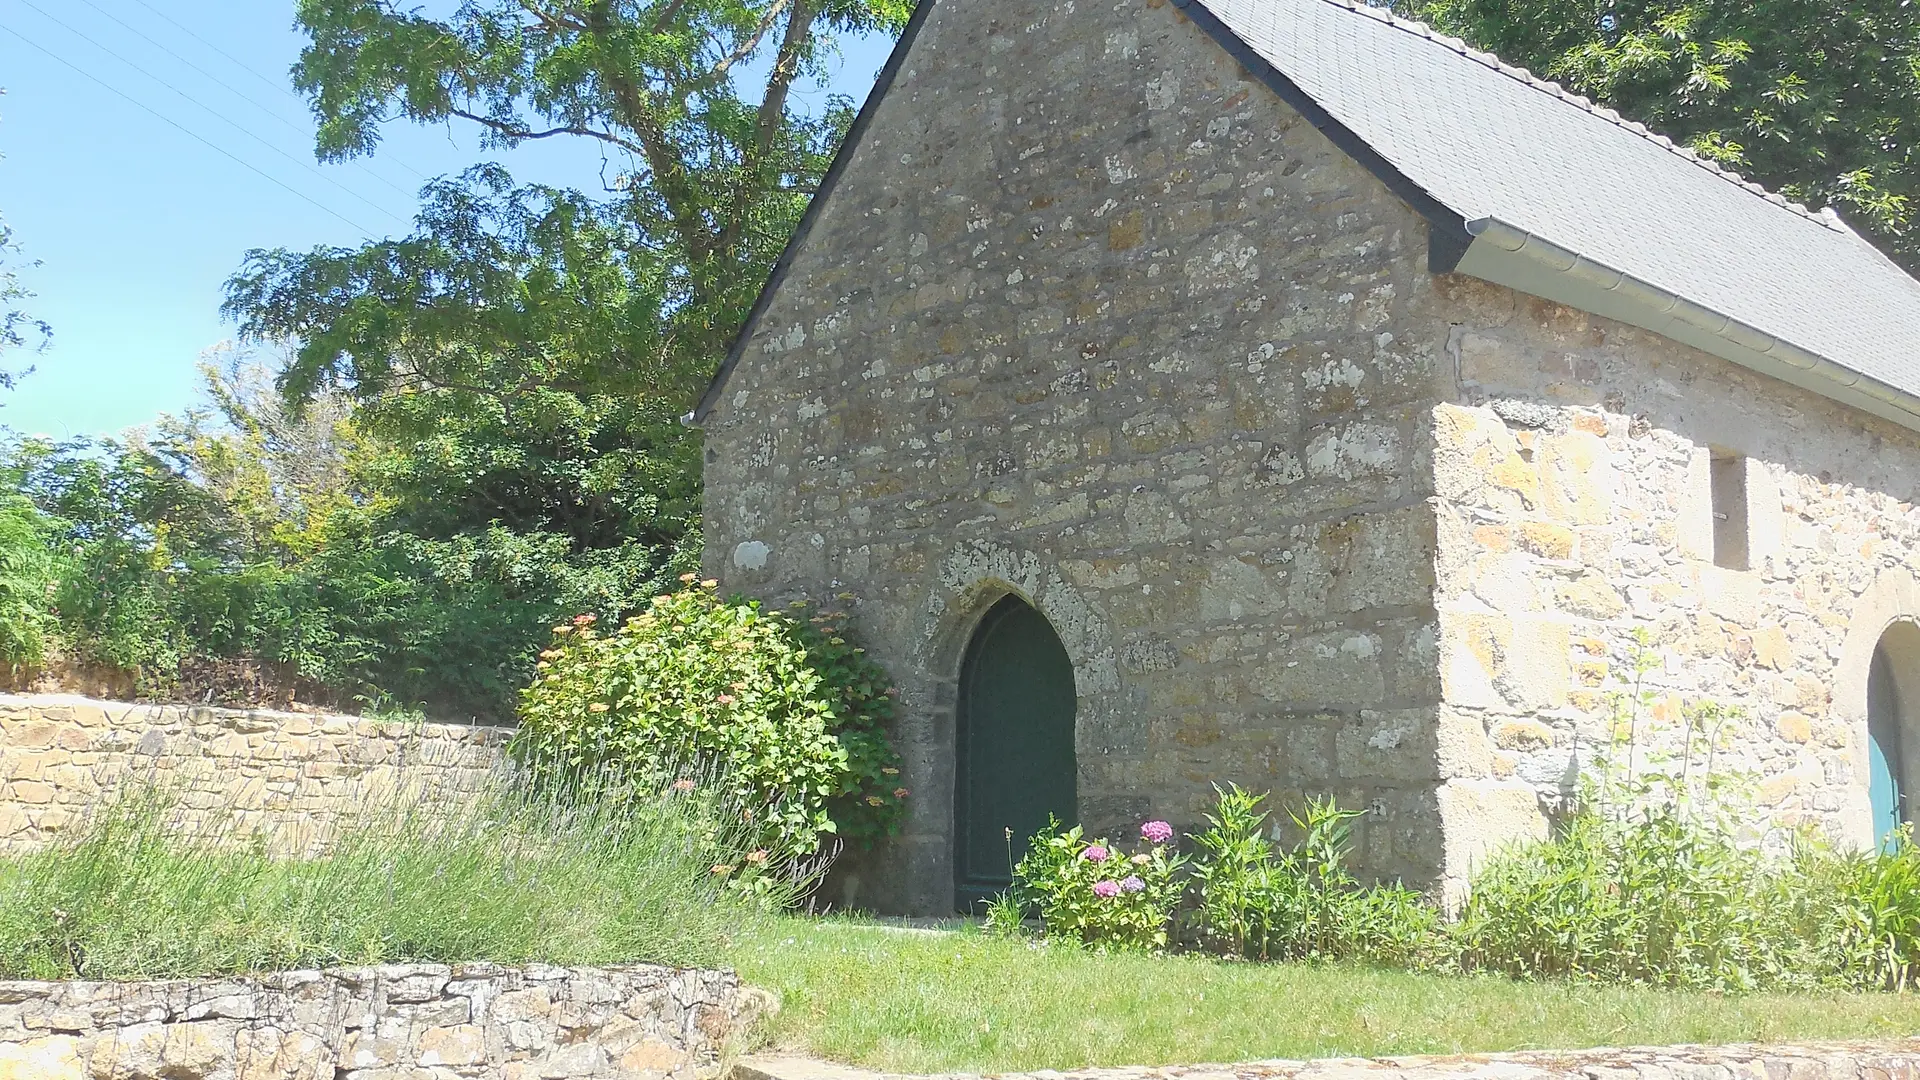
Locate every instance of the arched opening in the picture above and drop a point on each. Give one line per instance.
(1893, 743)
(1884, 791)
(1014, 762)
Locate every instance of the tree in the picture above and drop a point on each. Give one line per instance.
(709, 164)
(1817, 99)
(518, 363)
(16, 326)
(523, 356)
(506, 363)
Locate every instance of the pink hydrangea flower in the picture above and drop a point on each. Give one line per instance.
(1094, 853)
(1156, 832)
(1132, 884)
(1106, 890)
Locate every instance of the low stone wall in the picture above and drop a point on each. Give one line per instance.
(417, 1021)
(286, 775)
(1892, 1060)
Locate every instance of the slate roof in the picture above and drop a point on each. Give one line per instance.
(1488, 140)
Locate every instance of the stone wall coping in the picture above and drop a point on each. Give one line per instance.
(13, 991)
(1894, 1059)
(246, 717)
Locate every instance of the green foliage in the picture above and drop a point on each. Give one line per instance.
(1670, 901)
(180, 560)
(521, 359)
(28, 578)
(1663, 753)
(1302, 903)
(473, 431)
(1095, 894)
(713, 165)
(517, 364)
(1651, 881)
(1814, 98)
(786, 716)
(141, 893)
(1656, 900)
(1864, 908)
(1656, 893)
(505, 365)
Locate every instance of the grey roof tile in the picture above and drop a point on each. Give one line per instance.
(1489, 140)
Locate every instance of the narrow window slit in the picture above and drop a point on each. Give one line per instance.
(1729, 474)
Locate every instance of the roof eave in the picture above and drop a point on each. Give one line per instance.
(1507, 255)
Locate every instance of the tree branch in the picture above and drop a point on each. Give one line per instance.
(745, 48)
(677, 191)
(515, 131)
(549, 20)
(666, 15)
(772, 115)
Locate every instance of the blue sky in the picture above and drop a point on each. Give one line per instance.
(148, 144)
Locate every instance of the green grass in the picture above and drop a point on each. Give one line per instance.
(137, 894)
(922, 1002)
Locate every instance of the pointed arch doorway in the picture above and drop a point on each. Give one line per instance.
(1014, 762)
(1892, 682)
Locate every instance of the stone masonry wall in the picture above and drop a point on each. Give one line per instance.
(423, 1021)
(1094, 319)
(1575, 508)
(289, 775)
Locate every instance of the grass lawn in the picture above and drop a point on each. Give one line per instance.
(936, 1002)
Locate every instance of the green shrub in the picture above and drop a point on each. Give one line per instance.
(141, 893)
(786, 715)
(1655, 898)
(1302, 903)
(1858, 912)
(1092, 892)
(220, 563)
(28, 578)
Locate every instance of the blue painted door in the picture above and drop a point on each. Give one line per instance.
(1883, 751)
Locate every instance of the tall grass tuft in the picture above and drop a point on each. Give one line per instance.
(138, 892)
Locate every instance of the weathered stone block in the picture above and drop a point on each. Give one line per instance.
(1481, 817)
(56, 1057)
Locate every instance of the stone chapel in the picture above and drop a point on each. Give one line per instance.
(1279, 392)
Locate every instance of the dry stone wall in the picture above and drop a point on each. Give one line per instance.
(1575, 510)
(288, 776)
(1094, 319)
(420, 1021)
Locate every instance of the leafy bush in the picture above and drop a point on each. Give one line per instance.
(1092, 892)
(139, 892)
(1656, 899)
(171, 561)
(28, 578)
(1302, 903)
(1863, 913)
(786, 714)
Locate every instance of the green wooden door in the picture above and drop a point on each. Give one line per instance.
(1015, 754)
